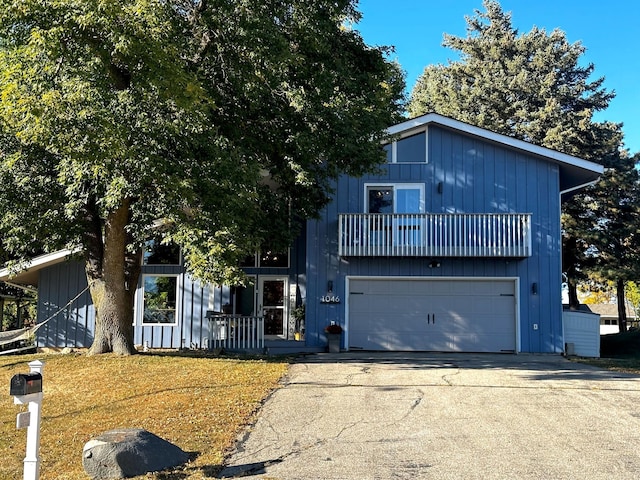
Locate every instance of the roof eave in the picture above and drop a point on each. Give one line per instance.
(29, 274)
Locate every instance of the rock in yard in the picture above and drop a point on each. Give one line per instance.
(125, 453)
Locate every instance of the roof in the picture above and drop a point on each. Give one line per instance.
(575, 172)
(609, 310)
(30, 274)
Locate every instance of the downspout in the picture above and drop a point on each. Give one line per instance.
(563, 192)
(573, 189)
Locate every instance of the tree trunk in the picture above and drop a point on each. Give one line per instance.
(112, 280)
(622, 310)
(574, 302)
(569, 261)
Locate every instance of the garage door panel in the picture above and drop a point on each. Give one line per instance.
(432, 315)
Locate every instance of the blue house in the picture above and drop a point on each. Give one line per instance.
(454, 245)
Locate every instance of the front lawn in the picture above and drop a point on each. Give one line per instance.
(195, 401)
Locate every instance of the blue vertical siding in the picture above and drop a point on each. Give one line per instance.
(477, 176)
(75, 325)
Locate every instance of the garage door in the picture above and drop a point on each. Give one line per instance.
(432, 315)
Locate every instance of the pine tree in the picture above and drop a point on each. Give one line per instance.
(529, 86)
(611, 239)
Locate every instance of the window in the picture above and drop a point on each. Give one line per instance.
(157, 253)
(267, 259)
(395, 198)
(160, 293)
(411, 149)
(398, 203)
(274, 259)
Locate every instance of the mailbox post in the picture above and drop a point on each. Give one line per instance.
(27, 388)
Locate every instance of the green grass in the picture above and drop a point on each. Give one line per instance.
(196, 401)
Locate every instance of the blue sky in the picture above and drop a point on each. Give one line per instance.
(609, 30)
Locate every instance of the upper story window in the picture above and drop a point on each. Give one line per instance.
(156, 253)
(395, 198)
(267, 259)
(411, 149)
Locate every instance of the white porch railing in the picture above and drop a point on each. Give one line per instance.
(435, 235)
(235, 332)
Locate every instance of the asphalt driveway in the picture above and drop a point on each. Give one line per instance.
(444, 416)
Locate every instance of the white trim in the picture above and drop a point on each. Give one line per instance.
(516, 281)
(410, 126)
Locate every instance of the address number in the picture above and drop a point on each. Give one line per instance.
(330, 299)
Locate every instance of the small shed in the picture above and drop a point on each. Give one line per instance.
(581, 333)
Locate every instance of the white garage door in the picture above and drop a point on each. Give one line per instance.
(444, 315)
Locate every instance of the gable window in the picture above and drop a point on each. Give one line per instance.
(157, 253)
(411, 149)
(160, 294)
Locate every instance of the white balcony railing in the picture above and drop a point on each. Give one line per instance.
(435, 235)
(235, 332)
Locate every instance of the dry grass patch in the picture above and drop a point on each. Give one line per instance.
(197, 402)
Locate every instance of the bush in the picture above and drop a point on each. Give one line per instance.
(619, 345)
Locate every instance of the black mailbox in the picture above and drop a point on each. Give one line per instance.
(26, 384)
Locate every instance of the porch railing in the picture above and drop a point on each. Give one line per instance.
(435, 235)
(235, 332)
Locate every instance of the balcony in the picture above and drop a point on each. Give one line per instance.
(435, 235)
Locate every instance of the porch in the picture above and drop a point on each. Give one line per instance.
(434, 235)
(245, 334)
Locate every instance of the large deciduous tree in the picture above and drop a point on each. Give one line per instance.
(530, 86)
(214, 124)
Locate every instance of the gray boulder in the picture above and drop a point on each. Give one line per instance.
(128, 452)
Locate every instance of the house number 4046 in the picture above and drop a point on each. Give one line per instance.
(330, 299)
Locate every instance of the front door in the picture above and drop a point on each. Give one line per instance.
(272, 302)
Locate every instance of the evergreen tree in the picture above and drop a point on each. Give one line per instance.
(609, 230)
(529, 86)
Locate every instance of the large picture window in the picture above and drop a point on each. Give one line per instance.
(160, 294)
